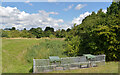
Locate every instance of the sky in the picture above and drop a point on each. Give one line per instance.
(59, 15)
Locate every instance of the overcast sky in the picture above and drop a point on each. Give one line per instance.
(41, 14)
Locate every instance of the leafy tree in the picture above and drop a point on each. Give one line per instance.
(13, 28)
(7, 29)
(24, 29)
(97, 34)
(52, 36)
(26, 34)
(49, 29)
(13, 33)
(37, 32)
(47, 33)
(68, 30)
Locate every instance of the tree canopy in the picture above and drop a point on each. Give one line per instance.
(99, 33)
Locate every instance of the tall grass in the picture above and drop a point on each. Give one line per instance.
(45, 49)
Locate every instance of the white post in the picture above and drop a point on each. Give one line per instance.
(104, 58)
(33, 65)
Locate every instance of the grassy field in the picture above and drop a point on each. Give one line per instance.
(17, 55)
(17, 52)
(13, 51)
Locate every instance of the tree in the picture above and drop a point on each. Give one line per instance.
(37, 32)
(24, 29)
(68, 30)
(47, 33)
(26, 34)
(7, 29)
(60, 33)
(13, 28)
(49, 29)
(97, 34)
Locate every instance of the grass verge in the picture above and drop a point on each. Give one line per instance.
(109, 67)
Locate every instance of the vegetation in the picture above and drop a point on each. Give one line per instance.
(44, 49)
(109, 67)
(33, 33)
(99, 33)
(13, 52)
(17, 54)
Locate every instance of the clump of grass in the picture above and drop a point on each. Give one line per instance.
(45, 49)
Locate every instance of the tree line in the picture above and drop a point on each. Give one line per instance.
(34, 33)
(99, 33)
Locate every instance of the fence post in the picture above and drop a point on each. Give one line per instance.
(33, 65)
(104, 58)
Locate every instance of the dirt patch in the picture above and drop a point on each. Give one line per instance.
(37, 38)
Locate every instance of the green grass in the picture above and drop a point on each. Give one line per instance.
(16, 52)
(13, 51)
(109, 67)
(45, 49)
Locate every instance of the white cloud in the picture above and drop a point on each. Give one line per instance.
(52, 0)
(79, 6)
(79, 19)
(104, 10)
(47, 13)
(11, 16)
(28, 2)
(69, 7)
(56, 13)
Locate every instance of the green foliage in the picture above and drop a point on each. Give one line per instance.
(49, 29)
(16, 34)
(52, 36)
(4, 34)
(15, 51)
(97, 34)
(68, 30)
(109, 41)
(47, 33)
(37, 32)
(45, 49)
(13, 28)
(26, 34)
(34, 33)
(13, 33)
(60, 33)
